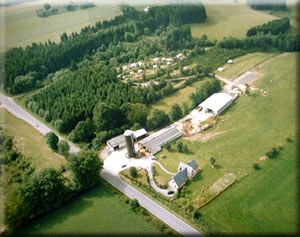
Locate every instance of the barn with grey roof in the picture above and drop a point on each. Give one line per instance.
(155, 141)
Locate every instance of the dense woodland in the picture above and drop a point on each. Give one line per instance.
(30, 191)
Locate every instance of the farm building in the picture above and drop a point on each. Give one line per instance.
(155, 141)
(119, 141)
(185, 172)
(216, 103)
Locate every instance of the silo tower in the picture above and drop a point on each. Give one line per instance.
(129, 143)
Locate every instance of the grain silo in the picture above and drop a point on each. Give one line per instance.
(129, 143)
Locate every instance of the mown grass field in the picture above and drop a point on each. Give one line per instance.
(247, 130)
(224, 20)
(99, 211)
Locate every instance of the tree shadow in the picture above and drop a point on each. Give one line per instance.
(74, 207)
(218, 167)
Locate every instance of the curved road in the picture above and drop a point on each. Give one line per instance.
(174, 222)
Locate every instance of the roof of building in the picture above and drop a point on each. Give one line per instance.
(155, 141)
(216, 102)
(181, 177)
(190, 166)
(118, 141)
(193, 164)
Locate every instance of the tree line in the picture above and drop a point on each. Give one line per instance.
(261, 38)
(30, 192)
(267, 4)
(274, 27)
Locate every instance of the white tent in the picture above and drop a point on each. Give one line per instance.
(216, 103)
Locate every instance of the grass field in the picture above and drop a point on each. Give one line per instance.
(22, 25)
(229, 20)
(30, 142)
(243, 64)
(183, 94)
(99, 211)
(265, 202)
(247, 130)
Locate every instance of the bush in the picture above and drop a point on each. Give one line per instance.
(256, 166)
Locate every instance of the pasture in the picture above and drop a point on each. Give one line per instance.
(99, 211)
(246, 131)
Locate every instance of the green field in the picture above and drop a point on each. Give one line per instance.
(23, 26)
(265, 202)
(229, 20)
(246, 131)
(99, 211)
(244, 63)
(30, 142)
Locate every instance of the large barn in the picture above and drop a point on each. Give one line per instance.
(216, 103)
(155, 141)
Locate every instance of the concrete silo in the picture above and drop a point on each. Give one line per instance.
(129, 143)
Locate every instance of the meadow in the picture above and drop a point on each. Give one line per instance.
(100, 211)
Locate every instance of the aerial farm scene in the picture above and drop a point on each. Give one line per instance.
(137, 117)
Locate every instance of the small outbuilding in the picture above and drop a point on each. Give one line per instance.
(216, 103)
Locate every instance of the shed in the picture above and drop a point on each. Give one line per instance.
(216, 103)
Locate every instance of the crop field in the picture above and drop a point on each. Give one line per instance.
(246, 131)
(221, 22)
(99, 211)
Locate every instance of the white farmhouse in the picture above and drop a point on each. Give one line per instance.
(185, 172)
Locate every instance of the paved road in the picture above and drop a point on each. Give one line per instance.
(16, 110)
(167, 217)
(177, 224)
